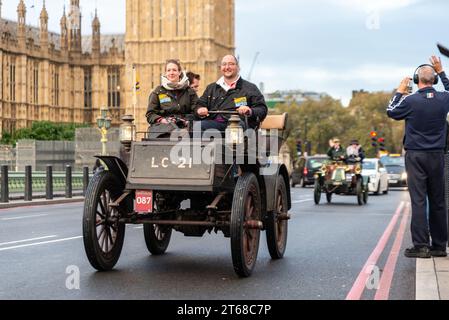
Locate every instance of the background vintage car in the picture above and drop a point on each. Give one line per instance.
(378, 176)
(397, 174)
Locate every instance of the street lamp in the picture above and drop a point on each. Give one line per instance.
(104, 124)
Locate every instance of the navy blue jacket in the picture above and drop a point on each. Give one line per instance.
(425, 114)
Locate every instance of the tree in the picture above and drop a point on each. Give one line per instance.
(44, 131)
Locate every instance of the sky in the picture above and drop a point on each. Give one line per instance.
(332, 46)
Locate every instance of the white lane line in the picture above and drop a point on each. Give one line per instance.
(141, 227)
(24, 217)
(26, 240)
(39, 243)
(301, 201)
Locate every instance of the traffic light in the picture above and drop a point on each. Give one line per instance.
(299, 147)
(309, 147)
(381, 144)
(373, 135)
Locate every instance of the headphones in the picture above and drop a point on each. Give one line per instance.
(416, 75)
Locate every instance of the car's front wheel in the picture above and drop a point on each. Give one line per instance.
(103, 234)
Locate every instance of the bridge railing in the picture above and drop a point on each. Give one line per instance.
(30, 185)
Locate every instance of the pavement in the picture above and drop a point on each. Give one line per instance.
(432, 279)
(39, 202)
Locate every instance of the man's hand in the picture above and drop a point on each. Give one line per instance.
(203, 112)
(403, 87)
(244, 111)
(436, 63)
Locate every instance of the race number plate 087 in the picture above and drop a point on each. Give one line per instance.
(144, 201)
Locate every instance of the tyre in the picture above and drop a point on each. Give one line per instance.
(317, 192)
(303, 182)
(359, 191)
(378, 189)
(103, 234)
(277, 229)
(157, 238)
(246, 206)
(388, 189)
(329, 197)
(365, 194)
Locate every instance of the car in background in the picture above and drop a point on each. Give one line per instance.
(395, 165)
(378, 176)
(305, 169)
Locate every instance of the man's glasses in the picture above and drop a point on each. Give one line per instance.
(230, 64)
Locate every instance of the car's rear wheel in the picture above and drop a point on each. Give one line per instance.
(329, 197)
(277, 228)
(359, 191)
(157, 238)
(246, 210)
(317, 192)
(103, 234)
(303, 182)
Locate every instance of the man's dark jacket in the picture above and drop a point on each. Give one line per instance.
(425, 114)
(215, 98)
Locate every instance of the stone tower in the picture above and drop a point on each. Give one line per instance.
(197, 32)
(75, 27)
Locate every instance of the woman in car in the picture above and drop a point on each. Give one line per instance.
(171, 103)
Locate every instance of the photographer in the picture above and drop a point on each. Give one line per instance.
(425, 114)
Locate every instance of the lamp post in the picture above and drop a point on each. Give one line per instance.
(104, 124)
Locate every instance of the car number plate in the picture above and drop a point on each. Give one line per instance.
(144, 201)
(393, 181)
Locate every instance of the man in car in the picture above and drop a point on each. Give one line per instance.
(355, 152)
(231, 93)
(336, 152)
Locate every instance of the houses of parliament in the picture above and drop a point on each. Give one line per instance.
(66, 77)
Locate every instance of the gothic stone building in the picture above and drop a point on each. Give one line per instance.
(66, 77)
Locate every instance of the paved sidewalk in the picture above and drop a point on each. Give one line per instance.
(39, 202)
(432, 279)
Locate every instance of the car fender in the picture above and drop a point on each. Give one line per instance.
(270, 185)
(116, 166)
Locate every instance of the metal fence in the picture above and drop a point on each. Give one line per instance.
(30, 185)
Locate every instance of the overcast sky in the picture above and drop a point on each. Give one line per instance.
(332, 46)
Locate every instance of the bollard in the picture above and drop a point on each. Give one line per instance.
(85, 180)
(28, 184)
(68, 182)
(4, 185)
(49, 183)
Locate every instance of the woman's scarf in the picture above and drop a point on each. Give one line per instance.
(182, 84)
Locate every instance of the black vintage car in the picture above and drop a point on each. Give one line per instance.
(146, 186)
(305, 169)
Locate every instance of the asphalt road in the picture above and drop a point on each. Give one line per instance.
(41, 249)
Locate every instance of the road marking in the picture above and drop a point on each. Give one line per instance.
(141, 227)
(39, 243)
(26, 240)
(301, 201)
(360, 283)
(25, 217)
(383, 293)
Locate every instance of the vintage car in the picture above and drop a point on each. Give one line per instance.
(341, 178)
(239, 198)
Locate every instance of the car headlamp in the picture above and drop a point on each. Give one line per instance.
(234, 131)
(127, 131)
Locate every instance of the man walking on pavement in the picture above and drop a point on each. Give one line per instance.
(425, 114)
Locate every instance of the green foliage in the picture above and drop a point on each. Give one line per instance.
(327, 119)
(44, 131)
